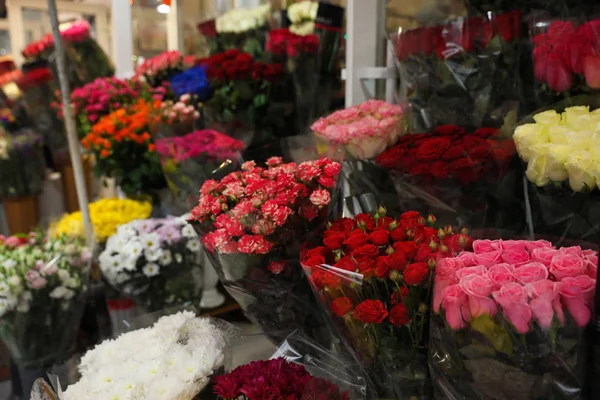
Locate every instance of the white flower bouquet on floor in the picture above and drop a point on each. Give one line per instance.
(42, 285)
(156, 262)
(172, 360)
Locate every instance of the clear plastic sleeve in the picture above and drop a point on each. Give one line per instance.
(255, 251)
(157, 262)
(510, 321)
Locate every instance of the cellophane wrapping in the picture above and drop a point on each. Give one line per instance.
(253, 223)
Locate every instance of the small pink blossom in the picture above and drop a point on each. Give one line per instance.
(38, 283)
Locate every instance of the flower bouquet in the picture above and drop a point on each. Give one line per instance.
(374, 275)
(192, 82)
(302, 16)
(106, 216)
(163, 67)
(156, 262)
(189, 160)
(22, 164)
(42, 287)
(510, 321)
(240, 100)
(277, 379)
(468, 178)
(37, 86)
(561, 154)
(123, 148)
(464, 72)
(252, 224)
(175, 118)
(172, 360)
(244, 29)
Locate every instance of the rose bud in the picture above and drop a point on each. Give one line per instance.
(396, 276)
(441, 233)
(381, 211)
(444, 249)
(328, 225)
(431, 219)
(433, 245)
(393, 226)
(423, 308)
(410, 233)
(463, 240)
(448, 229)
(431, 263)
(389, 250)
(421, 220)
(464, 231)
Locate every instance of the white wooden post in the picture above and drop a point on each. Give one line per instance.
(175, 26)
(122, 38)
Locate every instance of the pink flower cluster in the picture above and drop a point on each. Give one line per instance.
(247, 208)
(77, 32)
(366, 129)
(164, 61)
(179, 111)
(525, 281)
(209, 143)
(275, 379)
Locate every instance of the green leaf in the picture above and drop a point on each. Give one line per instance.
(497, 334)
(260, 100)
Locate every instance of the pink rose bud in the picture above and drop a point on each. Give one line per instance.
(513, 300)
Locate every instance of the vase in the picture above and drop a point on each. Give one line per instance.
(211, 298)
(21, 213)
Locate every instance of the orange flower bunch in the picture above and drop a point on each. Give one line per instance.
(121, 126)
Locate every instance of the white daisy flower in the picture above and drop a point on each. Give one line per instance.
(193, 245)
(165, 258)
(151, 269)
(150, 241)
(189, 232)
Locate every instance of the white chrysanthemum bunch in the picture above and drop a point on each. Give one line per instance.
(172, 360)
(146, 247)
(302, 15)
(241, 20)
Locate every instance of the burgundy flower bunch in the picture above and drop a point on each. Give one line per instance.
(389, 299)
(34, 77)
(458, 36)
(449, 152)
(275, 379)
(247, 210)
(565, 55)
(236, 65)
(282, 42)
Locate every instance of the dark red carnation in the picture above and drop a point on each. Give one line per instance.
(356, 239)
(341, 306)
(399, 315)
(416, 273)
(380, 237)
(371, 312)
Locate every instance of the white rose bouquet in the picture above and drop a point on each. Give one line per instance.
(42, 283)
(155, 261)
(172, 360)
(244, 29)
(302, 15)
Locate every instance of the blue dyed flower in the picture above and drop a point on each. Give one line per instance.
(194, 82)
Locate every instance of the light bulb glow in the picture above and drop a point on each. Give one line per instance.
(163, 8)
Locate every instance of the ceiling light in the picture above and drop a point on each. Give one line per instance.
(163, 8)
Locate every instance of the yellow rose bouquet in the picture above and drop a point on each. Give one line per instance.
(106, 215)
(562, 153)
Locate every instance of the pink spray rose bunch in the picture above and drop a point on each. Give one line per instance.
(211, 144)
(366, 130)
(527, 282)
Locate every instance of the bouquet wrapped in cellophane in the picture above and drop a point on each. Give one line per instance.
(244, 29)
(42, 286)
(510, 321)
(253, 223)
(156, 262)
(161, 68)
(22, 164)
(374, 276)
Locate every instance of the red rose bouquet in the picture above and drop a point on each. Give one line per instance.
(252, 223)
(275, 379)
(374, 274)
(463, 72)
(509, 320)
(459, 175)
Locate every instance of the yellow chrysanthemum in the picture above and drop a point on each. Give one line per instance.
(106, 216)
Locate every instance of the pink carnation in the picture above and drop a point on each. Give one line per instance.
(320, 197)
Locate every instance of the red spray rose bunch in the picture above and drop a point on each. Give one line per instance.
(275, 379)
(234, 64)
(248, 210)
(375, 273)
(449, 152)
(566, 53)
(282, 42)
(458, 36)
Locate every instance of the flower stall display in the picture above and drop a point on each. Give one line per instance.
(252, 224)
(463, 72)
(559, 150)
(459, 175)
(22, 165)
(156, 262)
(163, 67)
(189, 160)
(106, 216)
(565, 58)
(302, 16)
(244, 29)
(275, 378)
(509, 320)
(42, 286)
(172, 360)
(374, 275)
(38, 87)
(240, 101)
(123, 148)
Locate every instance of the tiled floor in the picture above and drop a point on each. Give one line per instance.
(251, 345)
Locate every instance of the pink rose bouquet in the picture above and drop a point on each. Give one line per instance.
(163, 67)
(253, 223)
(509, 318)
(366, 130)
